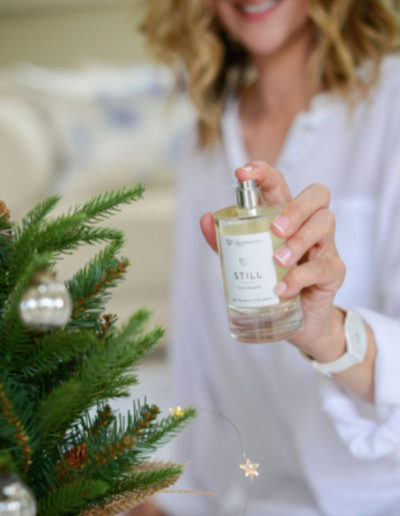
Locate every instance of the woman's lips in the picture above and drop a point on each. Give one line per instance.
(256, 11)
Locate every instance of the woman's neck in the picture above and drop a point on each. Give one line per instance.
(282, 90)
(283, 85)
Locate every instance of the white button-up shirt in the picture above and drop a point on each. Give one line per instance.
(322, 451)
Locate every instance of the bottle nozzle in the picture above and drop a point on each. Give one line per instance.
(249, 194)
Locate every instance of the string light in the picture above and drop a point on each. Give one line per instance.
(250, 469)
(177, 412)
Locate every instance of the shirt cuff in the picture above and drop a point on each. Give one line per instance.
(387, 364)
(370, 431)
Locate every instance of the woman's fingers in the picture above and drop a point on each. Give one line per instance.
(319, 230)
(298, 210)
(207, 225)
(327, 274)
(272, 183)
(304, 221)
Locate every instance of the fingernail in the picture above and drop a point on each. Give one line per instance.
(248, 168)
(283, 255)
(281, 223)
(280, 288)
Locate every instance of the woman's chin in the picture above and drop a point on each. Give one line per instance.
(259, 44)
(263, 47)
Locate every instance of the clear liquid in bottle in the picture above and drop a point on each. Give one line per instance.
(246, 247)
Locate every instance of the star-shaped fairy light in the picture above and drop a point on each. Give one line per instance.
(250, 469)
(178, 412)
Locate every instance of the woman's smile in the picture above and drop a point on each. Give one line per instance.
(264, 27)
(255, 11)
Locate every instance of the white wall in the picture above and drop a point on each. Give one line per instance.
(67, 33)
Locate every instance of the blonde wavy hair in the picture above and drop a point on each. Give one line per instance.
(347, 32)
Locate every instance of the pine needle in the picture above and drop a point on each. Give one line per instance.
(70, 497)
(150, 476)
(104, 205)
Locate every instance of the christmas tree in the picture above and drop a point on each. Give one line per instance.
(56, 429)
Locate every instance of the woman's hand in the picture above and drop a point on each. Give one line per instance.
(308, 226)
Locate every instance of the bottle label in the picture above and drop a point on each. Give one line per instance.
(250, 274)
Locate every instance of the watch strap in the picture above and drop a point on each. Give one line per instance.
(356, 346)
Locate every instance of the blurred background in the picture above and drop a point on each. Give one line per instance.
(82, 110)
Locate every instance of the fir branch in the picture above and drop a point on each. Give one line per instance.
(37, 214)
(55, 233)
(7, 463)
(60, 236)
(114, 451)
(19, 241)
(68, 232)
(167, 428)
(123, 438)
(136, 323)
(118, 503)
(150, 474)
(90, 287)
(71, 497)
(72, 240)
(106, 325)
(139, 346)
(142, 482)
(74, 459)
(4, 216)
(40, 238)
(6, 242)
(108, 452)
(5, 234)
(103, 420)
(89, 427)
(51, 351)
(102, 376)
(104, 205)
(7, 410)
(60, 408)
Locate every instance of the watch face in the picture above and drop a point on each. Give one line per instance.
(357, 344)
(356, 336)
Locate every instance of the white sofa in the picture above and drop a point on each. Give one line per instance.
(85, 131)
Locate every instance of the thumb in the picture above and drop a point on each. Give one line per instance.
(207, 225)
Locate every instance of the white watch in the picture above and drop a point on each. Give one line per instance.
(356, 346)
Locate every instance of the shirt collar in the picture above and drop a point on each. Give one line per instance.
(321, 105)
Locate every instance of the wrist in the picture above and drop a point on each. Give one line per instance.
(331, 345)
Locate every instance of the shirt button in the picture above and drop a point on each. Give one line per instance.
(309, 127)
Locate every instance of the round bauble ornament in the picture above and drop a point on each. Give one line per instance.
(46, 304)
(15, 498)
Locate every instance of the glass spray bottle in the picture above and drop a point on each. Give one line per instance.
(246, 246)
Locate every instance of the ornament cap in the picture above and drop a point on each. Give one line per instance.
(6, 480)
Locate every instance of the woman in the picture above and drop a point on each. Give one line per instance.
(310, 88)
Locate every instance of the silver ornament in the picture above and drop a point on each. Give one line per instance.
(46, 304)
(15, 498)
